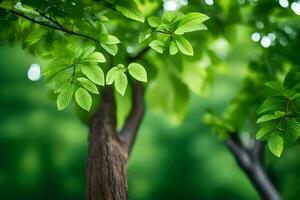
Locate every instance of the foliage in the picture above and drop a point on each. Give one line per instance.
(166, 34)
(279, 114)
(78, 66)
(89, 43)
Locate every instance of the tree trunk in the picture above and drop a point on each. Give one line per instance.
(250, 161)
(262, 183)
(106, 176)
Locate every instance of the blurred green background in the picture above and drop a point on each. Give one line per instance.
(43, 151)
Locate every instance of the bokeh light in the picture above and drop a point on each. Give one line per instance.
(34, 72)
(265, 42)
(284, 3)
(296, 7)
(255, 37)
(209, 2)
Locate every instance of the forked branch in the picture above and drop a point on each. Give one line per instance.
(129, 131)
(251, 162)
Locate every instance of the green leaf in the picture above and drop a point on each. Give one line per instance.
(87, 51)
(95, 57)
(292, 130)
(145, 35)
(191, 22)
(54, 67)
(292, 79)
(83, 98)
(272, 103)
(171, 17)
(154, 22)
(130, 9)
(110, 76)
(275, 143)
(112, 49)
(7, 4)
(65, 96)
(157, 45)
(89, 85)
(269, 117)
(264, 132)
(275, 85)
(121, 82)
(173, 48)
(58, 79)
(94, 73)
(110, 39)
(184, 45)
(138, 72)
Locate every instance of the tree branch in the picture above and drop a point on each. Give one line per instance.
(134, 118)
(55, 27)
(129, 130)
(250, 162)
(240, 154)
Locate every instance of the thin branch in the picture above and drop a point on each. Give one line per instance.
(134, 119)
(250, 162)
(129, 131)
(55, 27)
(54, 21)
(139, 55)
(240, 154)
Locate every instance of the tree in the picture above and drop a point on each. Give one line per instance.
(77, 37)
(92, 44)
(277, 116)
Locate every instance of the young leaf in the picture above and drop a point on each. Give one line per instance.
(95, 57)
(264, 132)
(58, 79)
(269, 117)
(83, 98)
(292, 131)
(144, 35)
(157, 45)
(171, 17)
(87, 51)
(154, 22)
(121, 82)
(173, 48)
(65, 96)
(138, 72)
(275, 143)
(272, 103)
(275, 85)
(184, 46)
(94, 73)
(110, 39)
(110, 76)
(89, 85)
(112, 49)
(191, 22)
(129, 9)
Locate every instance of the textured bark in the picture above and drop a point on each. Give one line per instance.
(106, 175)
(107, 158)
(250, 161)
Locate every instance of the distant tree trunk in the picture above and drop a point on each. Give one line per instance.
(250, 161)
(107, 157)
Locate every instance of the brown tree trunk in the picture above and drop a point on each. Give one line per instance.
(106, 176)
